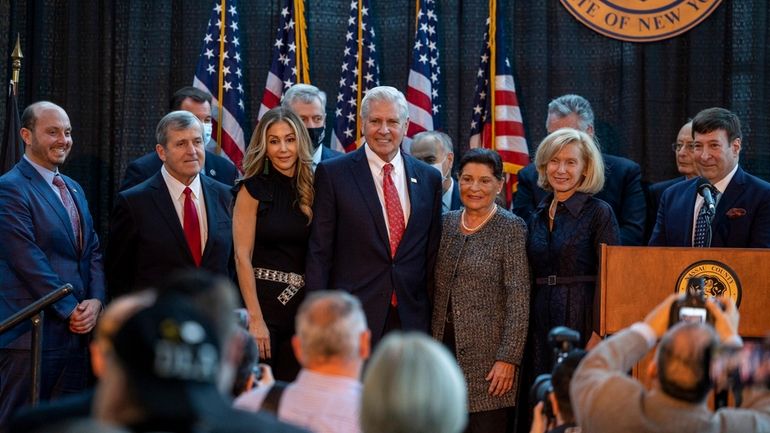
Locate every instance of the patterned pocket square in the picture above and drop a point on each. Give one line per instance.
(736, 212)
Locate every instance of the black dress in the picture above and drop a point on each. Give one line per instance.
(570, 250)
(280, 244)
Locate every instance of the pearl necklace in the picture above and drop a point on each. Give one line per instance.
(462, 220)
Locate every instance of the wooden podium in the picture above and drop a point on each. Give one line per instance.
(633, 280)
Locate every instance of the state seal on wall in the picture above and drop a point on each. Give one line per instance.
(718, 280)
(641, 20)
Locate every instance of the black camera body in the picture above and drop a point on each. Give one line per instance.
(693, 307)
(563, 340)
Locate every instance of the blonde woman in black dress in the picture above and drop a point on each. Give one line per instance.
(271, 226)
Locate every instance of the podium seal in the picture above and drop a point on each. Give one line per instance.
(719, 280)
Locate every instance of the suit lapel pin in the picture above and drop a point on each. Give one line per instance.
(413, 180)
(213, 172)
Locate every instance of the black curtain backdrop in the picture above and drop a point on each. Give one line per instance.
(113, 65)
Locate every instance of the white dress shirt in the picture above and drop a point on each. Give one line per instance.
(446, 198)
(720, 186)
(176, 190)
(321, 403)
(376, 165)
(317, 157)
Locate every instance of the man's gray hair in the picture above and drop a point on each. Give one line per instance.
(435, 136)
(177, 121)
(304, 93)
(330, 324)
(385, 94)
(565, 105)
(413, 384)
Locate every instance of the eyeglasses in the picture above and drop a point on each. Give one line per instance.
(676, 147)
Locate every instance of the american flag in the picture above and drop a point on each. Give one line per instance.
(221, 76)
(288, 52)
(360, 73)
(496, 122)
(422, 92)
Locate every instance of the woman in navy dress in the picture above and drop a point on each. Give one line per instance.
(565, 234)
(271, 226)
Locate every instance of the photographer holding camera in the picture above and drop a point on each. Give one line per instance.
(606, 399)
(553, 412)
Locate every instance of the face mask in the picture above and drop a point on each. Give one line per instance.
(206, 133)
(439, 166)
(316, 136)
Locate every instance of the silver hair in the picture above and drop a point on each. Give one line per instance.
(565, 105)
(303, 93)
(330, 324)
(413, 384)
(435, 136)
(178, 121)
(387, 94)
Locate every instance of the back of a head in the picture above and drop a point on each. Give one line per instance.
(561, 378)
(211, 295)
(413, 385)
(169, 354)
(684, 359)
(329, 325)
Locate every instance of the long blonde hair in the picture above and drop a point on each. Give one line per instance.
(256, 160)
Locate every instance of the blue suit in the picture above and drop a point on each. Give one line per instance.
(38, 255)
(742, 218)
(349, 249)
(622, 191)
(147, 165)
(456, 202)
(147, 241)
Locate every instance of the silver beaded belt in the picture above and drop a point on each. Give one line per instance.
(294, 281)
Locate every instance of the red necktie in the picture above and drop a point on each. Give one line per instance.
(71, 209)
(395, 215)
(192, 228)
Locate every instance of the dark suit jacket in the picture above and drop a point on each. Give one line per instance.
(622, 191)
(39, 254)
(349, 248)
(147, 165)
(742, 218)
(653, 193)
(456, 202)
(147, 240)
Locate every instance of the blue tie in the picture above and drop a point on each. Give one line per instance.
(702, 226)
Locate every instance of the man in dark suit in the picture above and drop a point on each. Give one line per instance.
(309, 102)
(377, 221)
(622, 186)
(683, 148)
(742, 214)
(174, 220)
(197, 102)
(48, 240)
(435, 149)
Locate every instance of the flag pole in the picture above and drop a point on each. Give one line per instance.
(360, 68)
(300, 36)
(16, 57)
(492, 69)
(220, 89)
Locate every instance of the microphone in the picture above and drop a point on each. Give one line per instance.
(706, 191)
